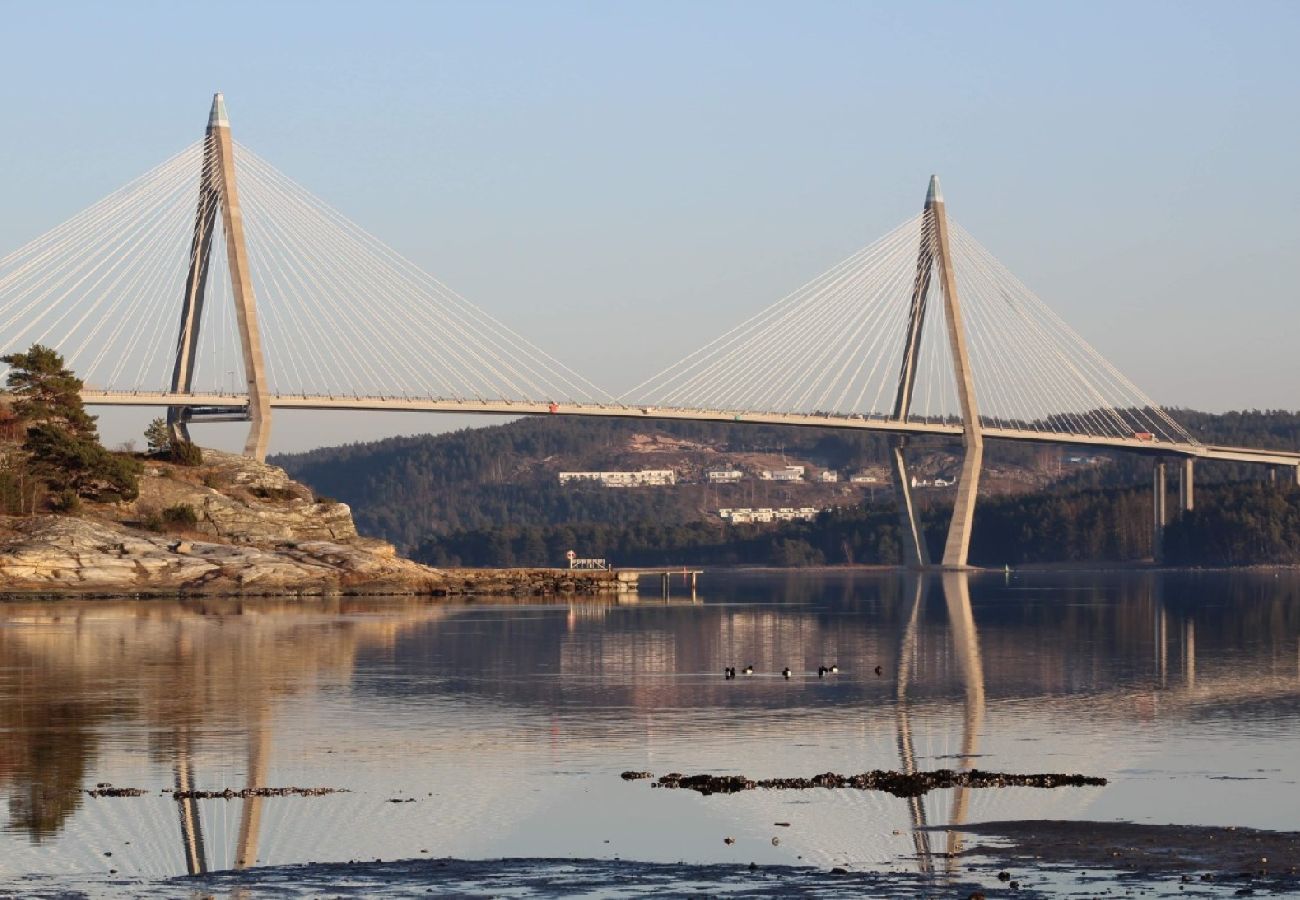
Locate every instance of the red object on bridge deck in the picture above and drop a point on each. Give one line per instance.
(1144, 436)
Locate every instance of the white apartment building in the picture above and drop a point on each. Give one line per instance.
(828, 476)
(785, 473)
(748, 516)
(643, 478)
(724, 476)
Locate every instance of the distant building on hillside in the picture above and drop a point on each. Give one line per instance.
(937, 482)
(828, 476)
(643, 478)
(724, 476)
(864, 478)
(767, 514)
(786, 473)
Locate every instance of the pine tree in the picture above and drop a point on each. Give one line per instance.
(78, 466)
(45, 391)
(159, 437)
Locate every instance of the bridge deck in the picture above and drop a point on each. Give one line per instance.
(623, 411)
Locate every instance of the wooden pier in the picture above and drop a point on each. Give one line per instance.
(689, 578)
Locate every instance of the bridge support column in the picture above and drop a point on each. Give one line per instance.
(936, 254)
(1159, 513)
(915, 553)
(217, 189)
(1187, 485)
(957, 547)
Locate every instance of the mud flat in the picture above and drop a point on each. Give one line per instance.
(550, 878)
(1193, 857)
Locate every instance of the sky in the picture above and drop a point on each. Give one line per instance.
(621, 182)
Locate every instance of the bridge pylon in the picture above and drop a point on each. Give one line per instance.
(935, 256)
(218, 191)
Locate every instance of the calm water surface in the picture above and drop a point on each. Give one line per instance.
(506, 725)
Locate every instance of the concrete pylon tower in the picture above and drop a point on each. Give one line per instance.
(957, 547)
(915, 553)
(218, 190)
(934, 256)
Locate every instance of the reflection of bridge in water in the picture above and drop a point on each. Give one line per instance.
(216, 672)
(198, 667)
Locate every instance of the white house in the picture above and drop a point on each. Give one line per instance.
(643, 478)
(787, 473)
(767, 514)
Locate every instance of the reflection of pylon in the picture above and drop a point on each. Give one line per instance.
(250, 819)
(196, 857)
(217, 188)
(965, 643)
(906, 750)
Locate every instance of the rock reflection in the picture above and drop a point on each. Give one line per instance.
(219, 664)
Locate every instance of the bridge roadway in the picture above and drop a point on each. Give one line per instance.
(628, 411)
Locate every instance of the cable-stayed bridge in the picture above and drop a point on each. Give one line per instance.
(216, 287)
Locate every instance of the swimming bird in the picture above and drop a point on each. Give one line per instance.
(786, 673)
(821, 671)
(749, 670)
(880, 670)
(835, 670)
(729, 673)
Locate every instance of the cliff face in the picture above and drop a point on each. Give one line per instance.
(229, 525)
(238, 500)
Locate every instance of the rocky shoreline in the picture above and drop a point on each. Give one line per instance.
(237, 526)
(900, 784)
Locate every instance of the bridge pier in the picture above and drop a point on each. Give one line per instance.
(1187, 485)
(915, 554)
(1160, 516)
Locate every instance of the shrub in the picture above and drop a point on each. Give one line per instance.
(186, 453)
(274, 493)
(152, 522)
(180, 517)
(216, 480)
(65, 501)
(69, 462)
(11, 493)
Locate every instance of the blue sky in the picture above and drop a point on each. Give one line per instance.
(623, 181)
